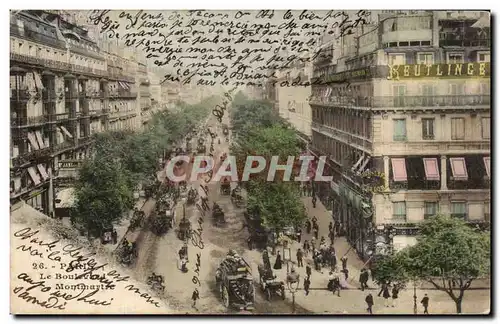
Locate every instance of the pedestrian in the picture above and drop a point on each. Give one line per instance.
(307, 284)
(330, 281)
(306, 247)
(336, 284)
(316, 230)
(382, 287)
(313, 243)
(299, 258)
(277, 263)
(337, 227)
(331, 235)
(314, 201)
(425, 303)
(330, 227)
(195, 297)
(363, 279)
(369, 303)
(314, 220)
(265, 259)
(386, 296)
(308, 226)
(299, 234)
(114, 236)
(346, 273)
(344, 262)
(395, 292)
(308, 271)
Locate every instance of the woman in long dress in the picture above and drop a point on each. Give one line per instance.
(277, 263)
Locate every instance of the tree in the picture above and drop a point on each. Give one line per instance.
(449, 254)
(277, 203)
(103, 193)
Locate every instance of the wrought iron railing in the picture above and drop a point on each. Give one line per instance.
(404, 101)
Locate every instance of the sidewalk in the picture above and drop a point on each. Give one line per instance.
(122, 228)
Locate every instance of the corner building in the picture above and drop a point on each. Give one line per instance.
(407, 129)
(63, 89)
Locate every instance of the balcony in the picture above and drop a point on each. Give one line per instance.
(359, 142)
(58, 148)
(454, 39)
(127, 94)
(58, 118)
(404, 101)
(27, 157)
(471, 183)
(415, 184)
(19, 95)
(84, 140)
(28, 121)
(145, 94)
(36, 36)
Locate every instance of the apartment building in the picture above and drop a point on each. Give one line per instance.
(407, 126)
(62, 90)
(293, 101)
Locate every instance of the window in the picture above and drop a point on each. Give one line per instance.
(458, 128)
(397, 59)
(428, 128)
(487, 162)
(399, 92)
(487, 211)
(455, 58)
(427, 95)
(399, 130)
(425, 58)
(399, 210)
(459, 209)
(483, 57)
(485, 127)
(430, 209)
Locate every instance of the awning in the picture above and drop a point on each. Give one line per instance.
(431, 169)
(122, 85)
(364, 164)
(483, 22)
(33, 175)
(38, 81)
(458, 169)
(65, 131)
(486, 160)
(399, 169)
(40, 139)
(358, 162)
(33, 141)
(65, 198)
(43, 172)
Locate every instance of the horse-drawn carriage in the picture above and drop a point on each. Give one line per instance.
(218, 214)
(163, 217)
(225, 186)
(156, 282)
(184, 230)
(127, 252)
(236, 197)
(192, 195)
(268, 283)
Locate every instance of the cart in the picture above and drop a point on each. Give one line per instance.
(269, 285)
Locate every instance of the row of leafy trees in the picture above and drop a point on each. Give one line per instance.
(258, 130)
(449, 254)
(123, 159)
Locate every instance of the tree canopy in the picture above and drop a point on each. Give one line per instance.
(261, 132)
(449, 254)
(122, 159)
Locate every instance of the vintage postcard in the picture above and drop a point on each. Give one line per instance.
(330, 162)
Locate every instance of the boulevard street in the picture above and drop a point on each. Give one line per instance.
(160, 255)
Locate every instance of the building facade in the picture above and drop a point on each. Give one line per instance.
(63, 89)
(405, 121)
(293, 102)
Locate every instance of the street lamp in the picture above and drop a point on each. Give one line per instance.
(414, 297)
(287, 255)
(293, 281)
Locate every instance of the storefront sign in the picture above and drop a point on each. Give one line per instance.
(349, 75)
(455, 70)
